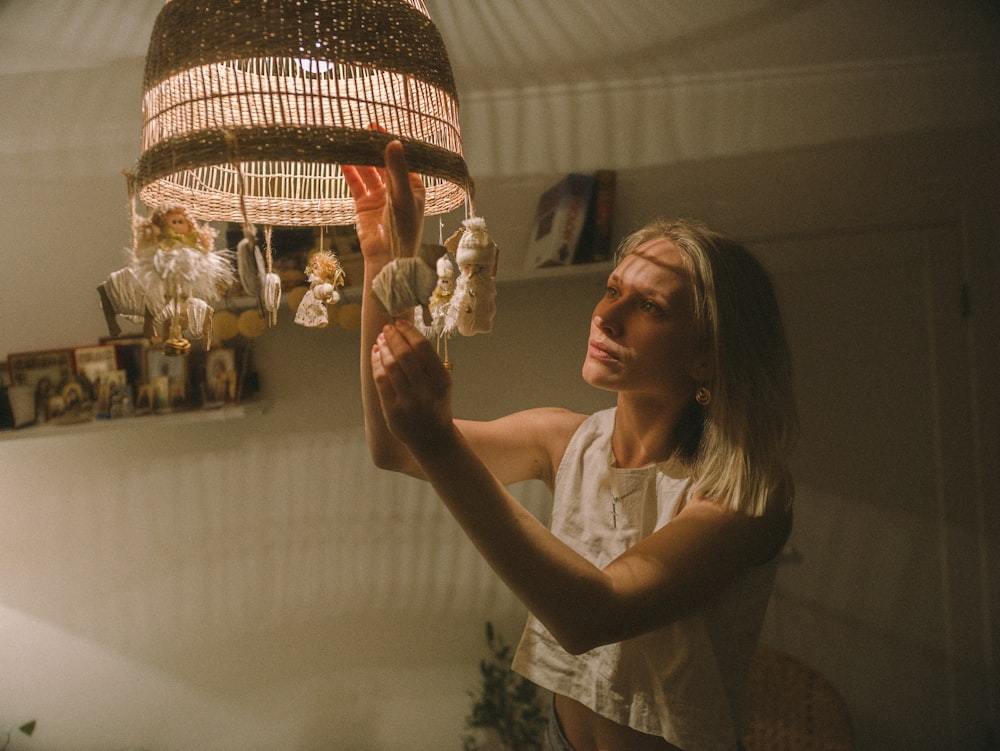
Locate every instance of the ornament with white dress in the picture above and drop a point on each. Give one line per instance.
(174, 273)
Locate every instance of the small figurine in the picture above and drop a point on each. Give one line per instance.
(325, 275)
(432, 319)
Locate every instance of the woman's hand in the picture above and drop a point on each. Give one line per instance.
(377, 216)
(413, 386)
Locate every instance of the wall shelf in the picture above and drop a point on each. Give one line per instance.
(216, 414)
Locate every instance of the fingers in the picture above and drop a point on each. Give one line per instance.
(392, 370)
(408, 358)
(397, 353)
(355, 183)
(408, 197)
(362, 180)
(369, 186)
(414, 388)
(410, 333)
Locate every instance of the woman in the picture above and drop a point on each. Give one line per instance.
(646, 597)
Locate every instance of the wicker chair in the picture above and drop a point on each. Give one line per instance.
(794, 708)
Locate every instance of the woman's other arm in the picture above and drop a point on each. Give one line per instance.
(692, 558)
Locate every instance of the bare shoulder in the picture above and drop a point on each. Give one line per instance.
(550, 420)
(525, 445)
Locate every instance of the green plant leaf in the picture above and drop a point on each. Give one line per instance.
(507, 702)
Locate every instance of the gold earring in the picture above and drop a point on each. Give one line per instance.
(703, 396)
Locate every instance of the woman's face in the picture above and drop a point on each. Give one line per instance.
(643, 334)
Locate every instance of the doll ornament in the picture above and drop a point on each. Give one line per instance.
(325, 275)
(173, 273)
(433, 318)
(473, 304)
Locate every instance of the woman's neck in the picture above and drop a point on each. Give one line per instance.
(644, 432)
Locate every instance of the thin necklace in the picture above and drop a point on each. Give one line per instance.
(617, 498)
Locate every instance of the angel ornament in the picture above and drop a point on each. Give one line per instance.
(473, 304)
(173, 274)
(325, 275)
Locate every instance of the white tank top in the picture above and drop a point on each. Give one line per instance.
(685, 681)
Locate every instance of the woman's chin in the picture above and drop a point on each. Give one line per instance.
(598, 375)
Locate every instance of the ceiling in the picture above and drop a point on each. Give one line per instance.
(497, 44)
(516, 42)
(550, 86)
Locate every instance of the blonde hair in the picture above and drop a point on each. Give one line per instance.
(737, 446)
(150, 230)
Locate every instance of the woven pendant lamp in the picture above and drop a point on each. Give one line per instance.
(250, 106)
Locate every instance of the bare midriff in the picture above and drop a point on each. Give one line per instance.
(588, 731)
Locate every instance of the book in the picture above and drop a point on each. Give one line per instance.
(559, 221)
(595, 242)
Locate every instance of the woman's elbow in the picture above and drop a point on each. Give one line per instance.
(601, 626)
(394, 460)
(577, 646)
(383, 459)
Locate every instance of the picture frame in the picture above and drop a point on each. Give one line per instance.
(31, 368)
(37, 380)
(160, 386)
(130, 355)
(93, 361)
(112, 391)
(169, 376)
(144, 399)
(6, 412)
(221, 376)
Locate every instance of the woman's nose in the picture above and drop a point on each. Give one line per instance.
(607, 319)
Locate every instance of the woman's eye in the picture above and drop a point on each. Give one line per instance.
(611, 292)
(651, 307)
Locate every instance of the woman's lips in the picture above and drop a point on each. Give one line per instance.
(600, 351)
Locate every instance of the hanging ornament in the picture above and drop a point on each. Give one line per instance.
(325, 276)
(473, 303)
(251, 266)
(403, 284)
(173, 273)
(432, 319)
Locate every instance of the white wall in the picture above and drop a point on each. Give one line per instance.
(257, 584)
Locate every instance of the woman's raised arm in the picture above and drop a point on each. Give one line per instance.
(525, 445)
(387, 201)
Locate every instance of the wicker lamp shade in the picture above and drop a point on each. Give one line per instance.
(250, 106)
